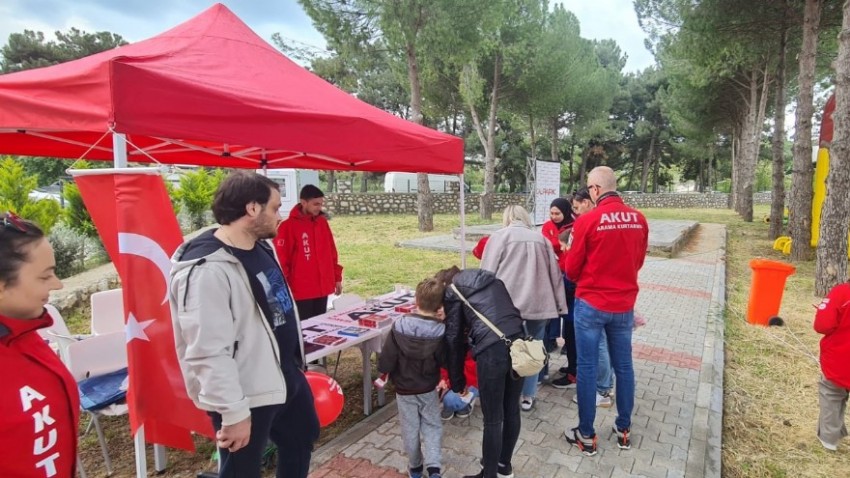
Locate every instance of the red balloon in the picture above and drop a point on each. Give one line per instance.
(327, 397)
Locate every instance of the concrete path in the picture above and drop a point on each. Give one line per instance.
(666, 237)
(676, 426)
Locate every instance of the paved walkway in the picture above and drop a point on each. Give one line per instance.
(676, 424)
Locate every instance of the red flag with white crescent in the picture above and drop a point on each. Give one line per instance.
(135, 220)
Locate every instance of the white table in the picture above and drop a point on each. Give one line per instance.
(330, 323)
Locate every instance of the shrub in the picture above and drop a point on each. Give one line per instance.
(69, 248)
(15, 186)
(196, 192)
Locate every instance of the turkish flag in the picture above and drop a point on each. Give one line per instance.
(135, 220)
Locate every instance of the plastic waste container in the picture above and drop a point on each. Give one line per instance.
(766, 289)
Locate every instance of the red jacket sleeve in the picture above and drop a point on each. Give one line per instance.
(831, 309)
(577, 256)
(283, 247)
(335, 257)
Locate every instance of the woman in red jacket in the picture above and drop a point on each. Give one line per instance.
(561, 218)
(39, 401)
(832, 319)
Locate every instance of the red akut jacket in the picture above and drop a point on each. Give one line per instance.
(551, 232)
(608, 249)
(39, 404)
(833, 321)
(469, 371)
(307, 253)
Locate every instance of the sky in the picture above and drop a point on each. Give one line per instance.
(137, 20)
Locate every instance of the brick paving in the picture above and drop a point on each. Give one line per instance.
(676, 424)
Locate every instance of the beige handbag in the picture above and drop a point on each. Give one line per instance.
(528, 356)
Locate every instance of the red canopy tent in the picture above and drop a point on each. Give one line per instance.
(210, 92)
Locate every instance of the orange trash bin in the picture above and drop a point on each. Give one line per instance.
(766, 290)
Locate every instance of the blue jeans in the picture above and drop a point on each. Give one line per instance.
(605, 374)
(590, 323)
(537, 330)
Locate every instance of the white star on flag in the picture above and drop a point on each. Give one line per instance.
(135, 329)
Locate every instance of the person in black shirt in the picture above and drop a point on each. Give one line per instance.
(228, 290)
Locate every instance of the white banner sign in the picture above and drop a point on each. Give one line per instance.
(546, 188)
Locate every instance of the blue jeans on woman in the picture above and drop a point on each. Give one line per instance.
(535, 329)
(499, 399)
(590, 323)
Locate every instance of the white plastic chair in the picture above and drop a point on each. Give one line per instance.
(98, 355)
(107, 312)
(58, 333)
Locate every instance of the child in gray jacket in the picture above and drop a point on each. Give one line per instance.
(412, 356)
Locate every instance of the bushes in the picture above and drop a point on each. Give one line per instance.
(196, 192)
(15, 187)
(69, 249)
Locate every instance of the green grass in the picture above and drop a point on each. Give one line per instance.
(373, 263)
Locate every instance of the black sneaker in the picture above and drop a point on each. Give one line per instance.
(624, 440)
(567, 381)
(585, 445)
(446, 414)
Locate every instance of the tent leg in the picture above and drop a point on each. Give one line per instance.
(462, 222)
(160, 458)
(141, 459)
(119, 150)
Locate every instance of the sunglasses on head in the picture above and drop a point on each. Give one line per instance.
(15, 223)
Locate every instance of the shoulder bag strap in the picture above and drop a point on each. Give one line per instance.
(481, 316)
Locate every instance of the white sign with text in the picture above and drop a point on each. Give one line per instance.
(546, 188)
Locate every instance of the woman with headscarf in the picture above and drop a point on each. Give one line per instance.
(561, 218)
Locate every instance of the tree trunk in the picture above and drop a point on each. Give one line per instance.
(736, 147)
(800, 215)
(331, 175)
(647, 161)
(831, 266)
(486, 206)
(777, 204)
(634, 169)
(364, 186)
(531, 169)
(656, 167)
(571, 159)
(424, 200)
(748, 156)
(554, 152)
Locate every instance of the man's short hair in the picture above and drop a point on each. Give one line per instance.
(310, 191)
(564, 236)
(429, 294)
(238, 190)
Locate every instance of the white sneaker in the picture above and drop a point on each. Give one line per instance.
(828, 446)
(526, 404)
(602, 401)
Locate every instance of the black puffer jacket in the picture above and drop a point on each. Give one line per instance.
(489, 297)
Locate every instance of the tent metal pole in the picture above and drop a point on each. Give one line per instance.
(462, 222)
(119, 150)
(141, 459)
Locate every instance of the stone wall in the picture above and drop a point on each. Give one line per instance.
(405, 203)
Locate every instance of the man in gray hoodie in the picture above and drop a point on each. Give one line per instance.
(238, 336)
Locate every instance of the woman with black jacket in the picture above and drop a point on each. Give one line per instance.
(499, 389)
